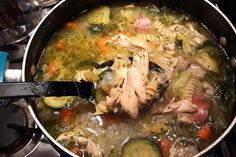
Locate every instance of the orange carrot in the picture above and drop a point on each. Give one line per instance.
(60, 46)
(71, 25)
(165, 146)
(67, 115)
(102, 44)
(128, 34)
(204, 133)
(51, 69)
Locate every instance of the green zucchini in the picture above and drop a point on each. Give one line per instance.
(100, 15)
(57, 102)
(86, 64)
(140, 147)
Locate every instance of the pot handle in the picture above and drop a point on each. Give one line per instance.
(7, 75)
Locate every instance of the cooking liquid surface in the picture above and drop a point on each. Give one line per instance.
(79, 41)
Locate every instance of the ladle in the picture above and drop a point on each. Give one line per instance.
(57, 88)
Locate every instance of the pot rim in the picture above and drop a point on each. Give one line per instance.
(218, 140)
(45, 132)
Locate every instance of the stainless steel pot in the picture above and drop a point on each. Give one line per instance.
(203, 10)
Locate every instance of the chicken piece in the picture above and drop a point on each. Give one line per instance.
(129, 42)
(141, 62)
(133, 92)
(121, 39)
(94, 149)
(158, 107)
(120, 70)
(79, 140)
(120, 63)
(180, 106)
(135, 41)
(113, 96)
(134, 77)
(129, 100)
(197, 70)
(185, 118)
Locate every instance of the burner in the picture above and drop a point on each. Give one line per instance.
(8, 115)
(18, 133)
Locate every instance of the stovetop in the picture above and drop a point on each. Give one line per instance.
(30, 140)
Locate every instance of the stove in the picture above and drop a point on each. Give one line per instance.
(19, 134)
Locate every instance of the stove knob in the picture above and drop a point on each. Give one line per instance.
(3, 63)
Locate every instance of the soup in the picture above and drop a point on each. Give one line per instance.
(182, 120)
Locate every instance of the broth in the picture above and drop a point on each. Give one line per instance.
(195, 109)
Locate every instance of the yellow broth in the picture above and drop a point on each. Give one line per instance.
(79, 40)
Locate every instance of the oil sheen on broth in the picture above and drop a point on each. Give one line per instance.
(194, 111)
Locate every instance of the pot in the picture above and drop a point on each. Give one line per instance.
(202, 10)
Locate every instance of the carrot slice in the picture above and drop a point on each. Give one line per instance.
(60, 46)
(51, 69)
(66, 116)
(165, 146)
(102, 44)
(71, 25)
(204, 133)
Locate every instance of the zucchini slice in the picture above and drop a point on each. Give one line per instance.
(57, 102)
(86, 64)
(100, 15)
(140, 147)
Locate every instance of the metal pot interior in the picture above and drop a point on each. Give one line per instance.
(202, 10)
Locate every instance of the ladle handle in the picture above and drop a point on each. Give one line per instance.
(45, 88)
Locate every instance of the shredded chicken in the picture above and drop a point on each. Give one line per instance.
(197, 70)
(180, 106)
(130, 92)
(135, 41)
(129, 101)
(113, 97)
(184, 118)
(126, 84)
(120, 69)
(134, 77)
(125, 41)
(80, 140)
(141, 62)
(158, 107)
